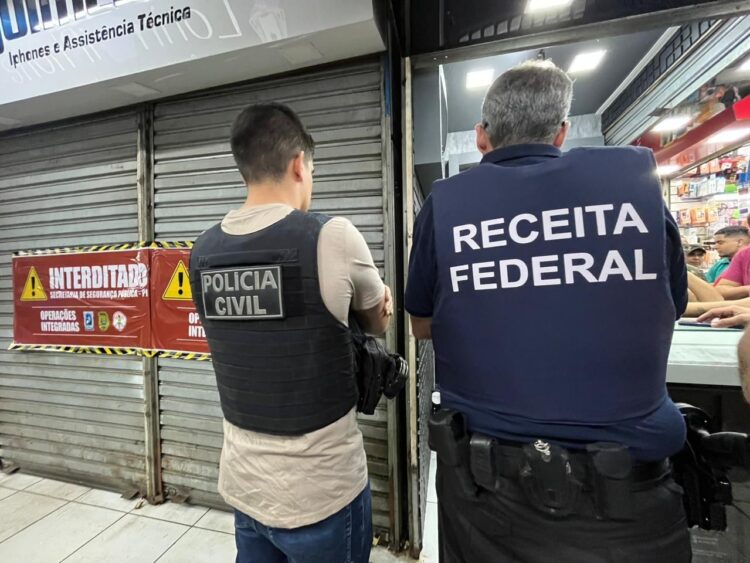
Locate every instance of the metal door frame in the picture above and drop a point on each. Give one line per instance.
(152, 425)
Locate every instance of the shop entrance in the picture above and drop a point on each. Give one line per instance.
(652, 87)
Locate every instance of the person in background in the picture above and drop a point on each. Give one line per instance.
(729, 241)
(694, 257)
(730, 316)
(734, 283)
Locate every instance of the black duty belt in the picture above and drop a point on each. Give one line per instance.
(553, 478)
(509, 459)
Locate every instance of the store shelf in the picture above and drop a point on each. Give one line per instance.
(722, 196)
(722, 132)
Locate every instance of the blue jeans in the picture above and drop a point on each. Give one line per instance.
(345, 537)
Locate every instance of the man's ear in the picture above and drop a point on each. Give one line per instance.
(298, 166)
(483, 139)
(562, 134)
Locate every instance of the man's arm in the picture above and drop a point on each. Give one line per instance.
(735, 316)
(703, 291)
(421, 327)
(375, 320)
(350, 282)
(698, 308)
(420, 286)
(732, 290)
(372, 302)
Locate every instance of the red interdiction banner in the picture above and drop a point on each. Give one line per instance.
(97, 299)
(175, 322)
(122, 299)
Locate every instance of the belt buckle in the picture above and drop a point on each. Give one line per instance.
(547, 478)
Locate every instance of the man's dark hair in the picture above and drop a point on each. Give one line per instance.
(733, 231)
(265, 137)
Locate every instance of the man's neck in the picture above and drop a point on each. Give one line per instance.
(269, 194)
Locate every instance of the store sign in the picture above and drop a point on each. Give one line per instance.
(49, 46)
(96, 299)
(176, 325)
(126, 300)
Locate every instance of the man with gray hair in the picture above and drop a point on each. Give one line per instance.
(555, 428)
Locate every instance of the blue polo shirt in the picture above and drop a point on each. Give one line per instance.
(650, 435)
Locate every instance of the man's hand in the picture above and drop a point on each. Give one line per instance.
(388, 302)
(724, 317)
(421, 327)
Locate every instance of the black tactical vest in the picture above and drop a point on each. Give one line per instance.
(284, 364)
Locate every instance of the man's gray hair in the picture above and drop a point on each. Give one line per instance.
(527, 104)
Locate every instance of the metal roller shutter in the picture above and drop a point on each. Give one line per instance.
(425, 375)
(80, 417)
(196, 183)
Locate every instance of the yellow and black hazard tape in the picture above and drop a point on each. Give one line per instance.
(185, 356)
(185, 244)
(111, 247)
(98, 350)
(168, 244)
(111, 351)
(82, 249)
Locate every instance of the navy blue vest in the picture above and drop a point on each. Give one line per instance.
(552, 300)
(289, 375)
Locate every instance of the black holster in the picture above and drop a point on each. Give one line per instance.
(611, 473)
(377, 372)
(449, 438)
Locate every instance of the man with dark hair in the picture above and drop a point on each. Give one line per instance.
(275, 286)
(729, 241)
(555, 426)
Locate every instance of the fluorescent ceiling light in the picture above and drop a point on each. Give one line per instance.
(667, 169)
(745, 65)
(673, 123)
(585, 62)
(729, 136)
(479, 78)
(535, 6)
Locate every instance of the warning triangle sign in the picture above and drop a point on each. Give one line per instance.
(33, 290)
(178, 288)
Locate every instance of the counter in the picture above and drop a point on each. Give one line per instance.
(704, 356)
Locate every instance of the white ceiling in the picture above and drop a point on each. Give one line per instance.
(590, 89)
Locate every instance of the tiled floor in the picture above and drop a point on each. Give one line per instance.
(430, 542)
(47, 521)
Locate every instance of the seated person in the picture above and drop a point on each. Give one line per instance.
(729, 241)
(694, 256)
(735, 281)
